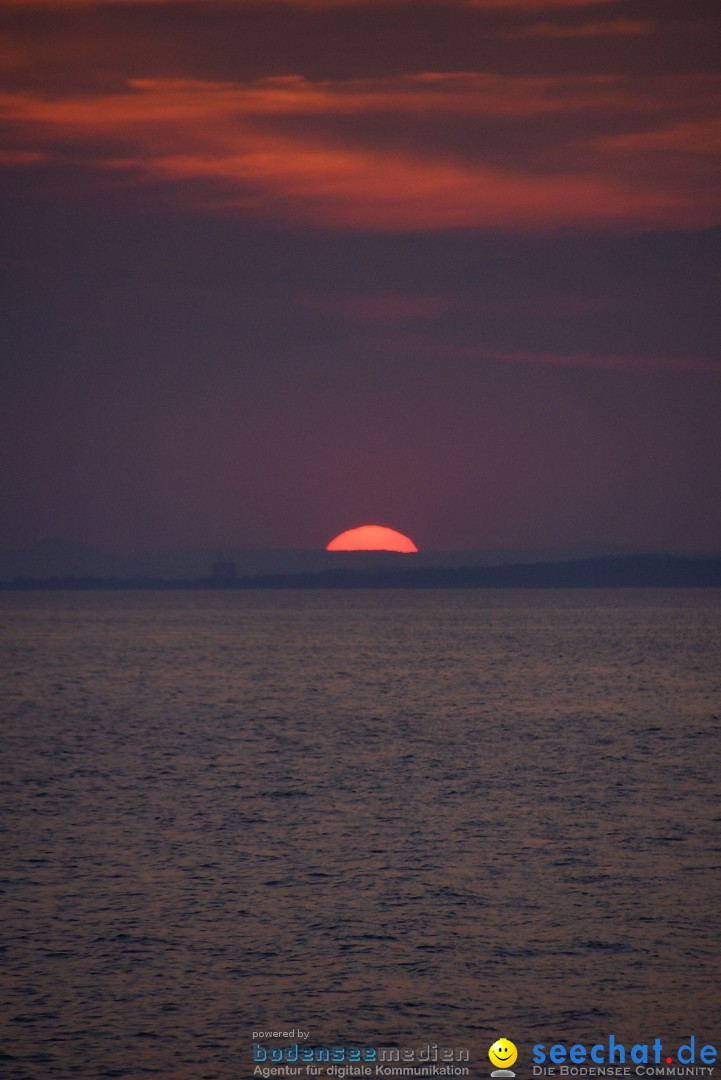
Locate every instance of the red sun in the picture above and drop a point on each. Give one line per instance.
(371, 538)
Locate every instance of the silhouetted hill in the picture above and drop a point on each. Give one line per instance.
(641, 571)
(62, 558)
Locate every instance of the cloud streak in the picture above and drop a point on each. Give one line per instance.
(602, 28)
(601, 361)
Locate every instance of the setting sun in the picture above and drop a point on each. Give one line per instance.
(371, 538)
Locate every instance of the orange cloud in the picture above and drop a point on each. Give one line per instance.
(382, 190)
(689, 137)
(254, 145)
(186, 101)
(607, 28)
(380, 307)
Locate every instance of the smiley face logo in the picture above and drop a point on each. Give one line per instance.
(503, 1054)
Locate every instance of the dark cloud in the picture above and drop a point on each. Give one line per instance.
(104, 45)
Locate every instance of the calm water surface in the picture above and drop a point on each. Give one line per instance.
(391, 818)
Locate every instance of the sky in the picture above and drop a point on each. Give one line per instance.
(277, 270)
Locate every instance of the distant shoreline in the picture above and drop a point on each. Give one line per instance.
(642, 571)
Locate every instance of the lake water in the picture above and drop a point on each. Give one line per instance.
(387, 817)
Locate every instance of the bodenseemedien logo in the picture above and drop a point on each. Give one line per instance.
(343, 1062)
(503, 1054)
